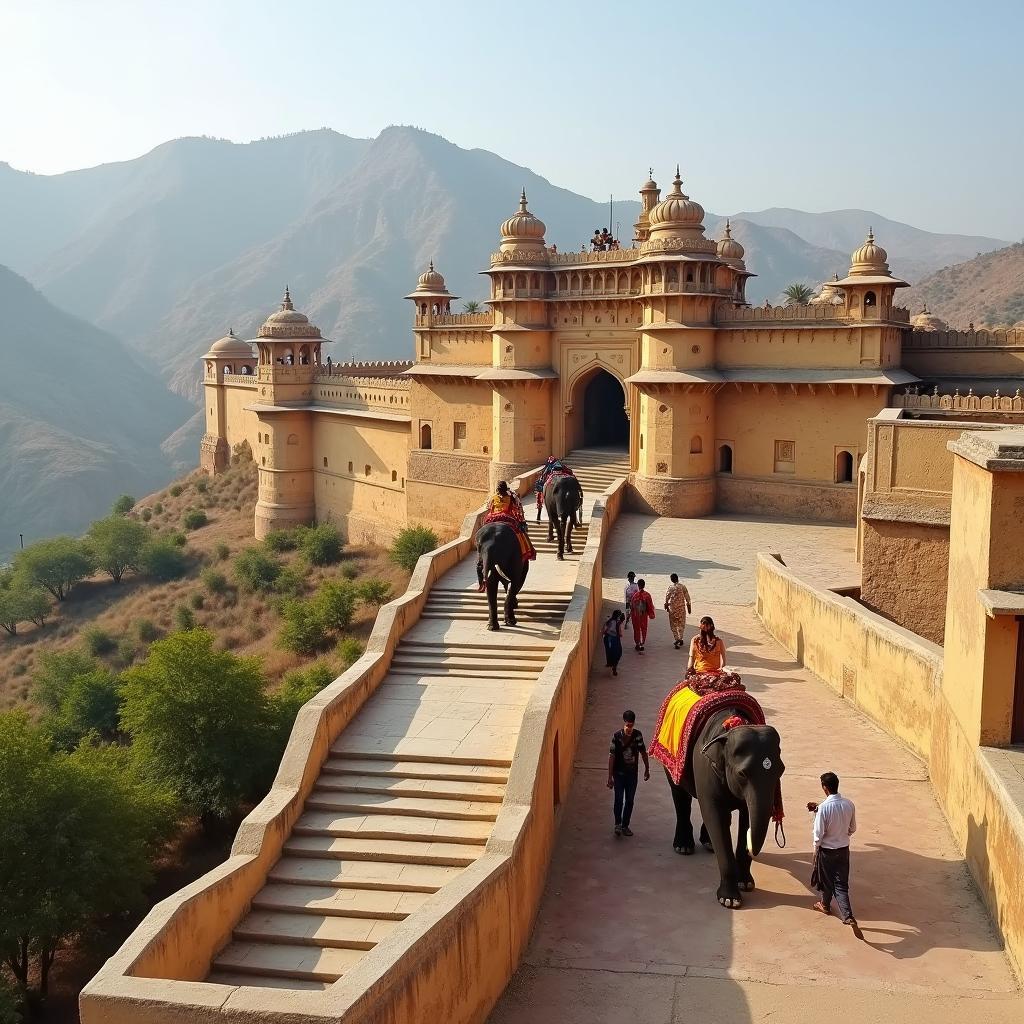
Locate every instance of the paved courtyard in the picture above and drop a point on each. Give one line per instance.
(629, 928)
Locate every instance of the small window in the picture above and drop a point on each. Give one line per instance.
(325, 462)
(785, 456)
(394, 475)
(293, 439)
(425, 436)
(350, 467)
(844, 467)
(366, 470)
(725, 458)
(696, 445)
(459, 436)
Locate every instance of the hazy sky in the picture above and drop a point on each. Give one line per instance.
(915, 110)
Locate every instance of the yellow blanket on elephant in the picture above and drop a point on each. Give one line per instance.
(679, 705)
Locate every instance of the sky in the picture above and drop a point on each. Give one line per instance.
(914, 110)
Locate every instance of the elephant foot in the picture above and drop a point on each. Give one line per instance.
(685, 851)
(747, 885)
(729, 897)
(706, 843)
(510, 621)
(493, 627)
(561, 557)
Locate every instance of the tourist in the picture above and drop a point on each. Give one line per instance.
(707, 651)
(595, 243)
(613, 641)
(606, 238)
(677, 604)
(835, 820)
(641, 611)
(624, 755)
(631, 589)
(504, 506)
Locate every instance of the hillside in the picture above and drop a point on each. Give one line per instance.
(170, 249)
(988, 289)
(81, 419)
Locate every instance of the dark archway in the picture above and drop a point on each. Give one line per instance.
(605, 423)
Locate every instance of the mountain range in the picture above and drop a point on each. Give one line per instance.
(164, 253)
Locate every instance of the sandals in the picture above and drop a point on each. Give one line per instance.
(821, 908)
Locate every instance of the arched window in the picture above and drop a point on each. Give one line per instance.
(293, 439)
(725, 458)
(425, 438)
(394, 475)
(689, 275)
(366, 470)
(869, 299)
(696, 445)
(844, 467)
(228, 369)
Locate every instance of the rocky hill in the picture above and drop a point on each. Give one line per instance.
(988, 289)
(81, 419)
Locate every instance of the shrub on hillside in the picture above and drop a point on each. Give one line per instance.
(147, 514)
(178, 539)
(89, 704)
(56, 565)
(256, 570)
(336, 605)
(221, 551)
(412, 542)
(281, 540)
(163, 560)
(199, 720)
(123, 505)
(349, 651)
(98, 641)
(321, 544)
(196, 601)
(175, 490)
(146, 631)
(116, 545)
(214, 580)
(350, 570)
(194, 518)
(202, 485)
(21, 601)
(184, 617)
(374, 591)
(303, 630)
(291, 582)
(297, 687)
(158, 508)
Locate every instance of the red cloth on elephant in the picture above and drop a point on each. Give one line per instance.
(518, 523)
(676, 759)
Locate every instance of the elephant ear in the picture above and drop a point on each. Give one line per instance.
(714, 751)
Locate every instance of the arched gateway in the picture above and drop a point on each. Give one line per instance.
(605, 423)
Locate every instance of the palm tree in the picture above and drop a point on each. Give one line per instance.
(472, 306)
(798, 295)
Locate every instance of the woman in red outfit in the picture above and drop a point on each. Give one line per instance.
(641, 611)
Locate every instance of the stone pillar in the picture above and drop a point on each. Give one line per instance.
(286, 495)
(986, 576)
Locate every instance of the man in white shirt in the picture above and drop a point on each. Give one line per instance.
(835, 820)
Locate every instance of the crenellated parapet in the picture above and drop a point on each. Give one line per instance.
(918, 339)
(957, 402)
(367, 368)
(815, 313)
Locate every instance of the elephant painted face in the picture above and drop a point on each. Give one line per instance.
(751, 760)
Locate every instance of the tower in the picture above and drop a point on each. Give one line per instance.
(289, 359)
(649, 196)
(228, 356)
(432, 299)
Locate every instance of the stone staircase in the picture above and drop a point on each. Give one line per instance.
(411, 789)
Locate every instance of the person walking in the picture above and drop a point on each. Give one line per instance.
(835, 820)
(613, 641)
(627, 747)
(707, 651)
(641, 611)
(630, 589)
(677, 604)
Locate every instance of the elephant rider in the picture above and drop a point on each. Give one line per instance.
(504, 506)
(551, 467)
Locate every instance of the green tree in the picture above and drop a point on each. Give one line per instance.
(89, 706)
(163, 560)
(412, 542)
(117, 544)
(336, 604)
(123, 505)
(194, 518)
(199, 720)
(291, 582)
(798, 294)
(374, 591)
(349, 651)
(79, 834)
(21, 601)
(297, 687)
(11, 1003)
(321, 544)
(303, 631)
(214, 580)
(471, 306)
(256, 570)
(52, 675)
(56, 564)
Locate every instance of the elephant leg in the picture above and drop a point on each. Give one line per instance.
(705, 839)
(560, 526)
(743, 858)
(717, 820)
(511, 599)
(682, 842)
(492, 601)
(568, 533)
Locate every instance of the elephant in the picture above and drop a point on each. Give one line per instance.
(563, 499)
(500, 560)
(735, 769)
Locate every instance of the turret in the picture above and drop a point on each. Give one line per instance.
(869, 286)
(228, 355)
(649, 196)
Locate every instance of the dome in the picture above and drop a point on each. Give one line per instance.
(677, 210)
(829, 294)
(287, 322)
(523, 228)
(431, 281)
(650, 185)
(231, 345)
(925, 321)
(728, 247)
(869, 258)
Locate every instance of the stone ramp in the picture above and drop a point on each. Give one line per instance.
(409, 794)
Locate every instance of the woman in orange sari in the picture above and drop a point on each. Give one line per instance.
(707, 651)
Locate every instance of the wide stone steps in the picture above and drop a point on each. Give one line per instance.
(383, 828)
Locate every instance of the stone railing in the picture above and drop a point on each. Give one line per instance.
(748, 314)
(250, 379)
(960, 403)
(568, 259)
(371, 368)
(918, 339)
(483, 319)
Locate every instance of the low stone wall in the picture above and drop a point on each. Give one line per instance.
(895, 678)
(156, 975)
(797, 499)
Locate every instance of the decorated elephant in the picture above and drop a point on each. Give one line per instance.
(563, 499)
(501, 560)
(715, 746)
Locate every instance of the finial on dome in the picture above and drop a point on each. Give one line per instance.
(430, 266)
(677, 171)
(871, 234)
(286, 302)
(522, 201)
(728, 228)
(650, 172)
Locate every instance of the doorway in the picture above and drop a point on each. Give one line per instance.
(605, 423)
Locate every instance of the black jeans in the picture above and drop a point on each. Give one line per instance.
(625, 790)
(834, 879)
